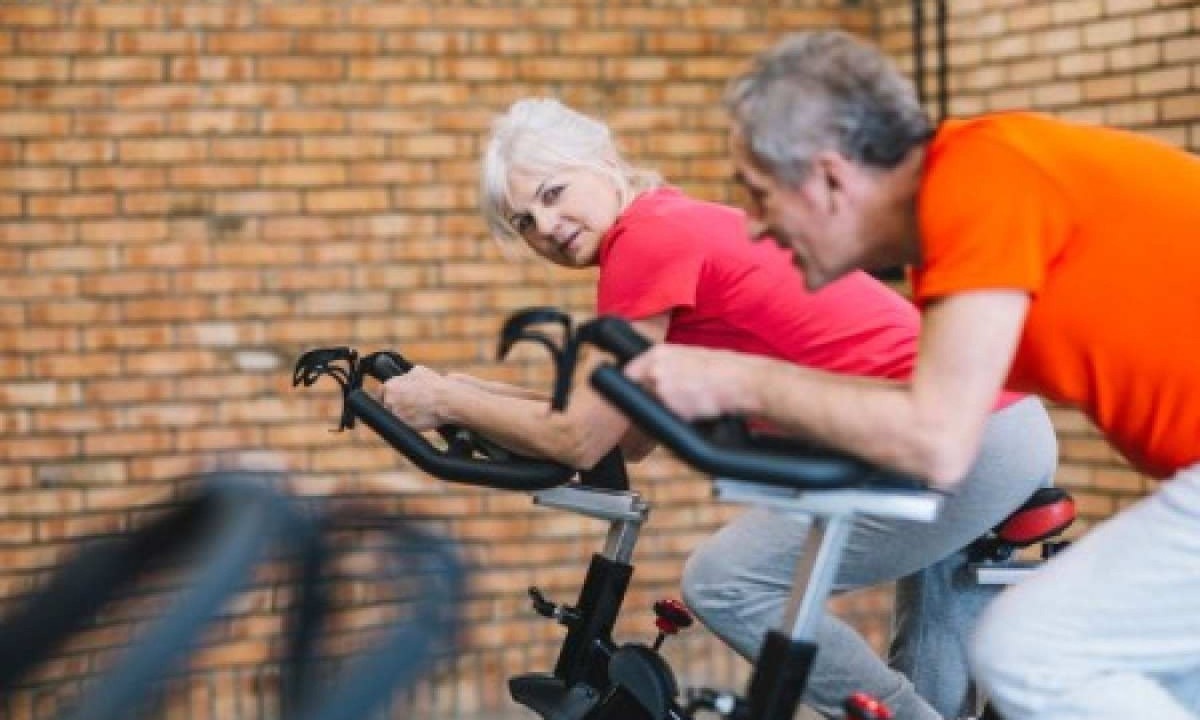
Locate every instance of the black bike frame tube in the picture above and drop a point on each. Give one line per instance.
(600, 600)
(780, 677)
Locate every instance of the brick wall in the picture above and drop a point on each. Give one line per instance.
(191, 193)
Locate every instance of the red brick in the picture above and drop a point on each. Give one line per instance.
(250, 42)
(113, 16)
(158, 96)
(156, 42)
(123, 123)
(222, 15)
(33, 124)
(200, 68)
(68, 152)
(337, 201)
(257, 149)
(35, 179)
(29, 15)
(60, 96)
(253, 95)
(207, 122)
(66, 206)
(344, 94)
(34, 69)
(116, 69)
(348, 42)
(212, 176)
(301, 121)
(122, 231)
(38, 447)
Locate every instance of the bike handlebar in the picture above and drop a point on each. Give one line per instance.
(498, 468)
(730, 450)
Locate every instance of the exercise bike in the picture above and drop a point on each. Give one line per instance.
(830, 489)
(594, 677)
(229, 524)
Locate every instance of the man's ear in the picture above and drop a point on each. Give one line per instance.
(839, 177)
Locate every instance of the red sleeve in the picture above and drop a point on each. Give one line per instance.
(653, 267)
(989, 219)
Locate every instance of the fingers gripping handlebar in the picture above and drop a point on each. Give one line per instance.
(724, 448)
(468, 458)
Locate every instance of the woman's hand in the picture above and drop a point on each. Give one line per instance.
(416, 397)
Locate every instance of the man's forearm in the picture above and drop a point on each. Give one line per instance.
(878, 420)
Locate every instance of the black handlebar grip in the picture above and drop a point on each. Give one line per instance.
(385, 365)
(615, 335)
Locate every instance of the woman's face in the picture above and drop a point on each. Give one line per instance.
(564, 215)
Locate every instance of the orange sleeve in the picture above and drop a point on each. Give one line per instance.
(989, 218)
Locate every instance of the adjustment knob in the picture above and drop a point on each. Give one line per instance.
(861, 706)
(671, 616)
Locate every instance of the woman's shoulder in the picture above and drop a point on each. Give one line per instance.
(667, 214)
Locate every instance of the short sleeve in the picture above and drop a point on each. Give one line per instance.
(653, 267)
(989, 218)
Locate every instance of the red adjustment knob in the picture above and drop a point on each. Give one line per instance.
(672, 616)
(861, 706)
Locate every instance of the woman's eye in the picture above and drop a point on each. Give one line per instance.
(551, 194)
(522, 224)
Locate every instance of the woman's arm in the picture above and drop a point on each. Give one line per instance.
(499, 388)
(579, 437)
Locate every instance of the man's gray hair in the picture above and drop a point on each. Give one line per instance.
(820, 91)
(541, 136)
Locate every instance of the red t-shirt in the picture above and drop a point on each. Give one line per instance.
(671, 253)
(1100, 227)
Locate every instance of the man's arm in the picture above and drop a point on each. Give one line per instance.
(930, 426)
(579, 437)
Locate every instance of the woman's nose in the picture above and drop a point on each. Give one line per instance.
(544, 219)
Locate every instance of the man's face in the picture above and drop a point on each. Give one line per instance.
(803, 220)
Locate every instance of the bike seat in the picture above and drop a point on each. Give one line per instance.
(1048, 512)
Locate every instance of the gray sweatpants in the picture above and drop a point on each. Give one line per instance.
(738, 581)
(1110, 628)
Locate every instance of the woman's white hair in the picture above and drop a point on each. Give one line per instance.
(540, 136)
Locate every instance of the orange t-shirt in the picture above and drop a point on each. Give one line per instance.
(1102, 228)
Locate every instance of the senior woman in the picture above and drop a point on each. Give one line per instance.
(682, 270)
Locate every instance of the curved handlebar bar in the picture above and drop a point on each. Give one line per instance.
(773, 461)
(457, 463)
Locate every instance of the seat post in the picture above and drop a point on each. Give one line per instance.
(813, 580)
(783, 665)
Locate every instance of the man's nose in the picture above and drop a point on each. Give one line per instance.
(756, 227)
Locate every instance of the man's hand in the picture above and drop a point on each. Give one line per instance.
(699, 383)
(415, 397)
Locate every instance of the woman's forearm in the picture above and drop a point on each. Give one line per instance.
(579, 437)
